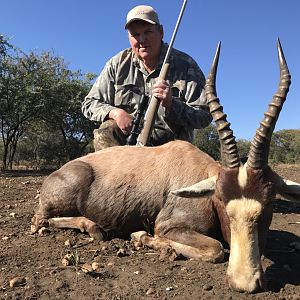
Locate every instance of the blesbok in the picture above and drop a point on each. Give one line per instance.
(193, 201)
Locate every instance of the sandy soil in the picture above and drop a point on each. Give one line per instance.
(31, 266)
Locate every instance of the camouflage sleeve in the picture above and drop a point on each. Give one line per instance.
(100, 100)
(191, 109)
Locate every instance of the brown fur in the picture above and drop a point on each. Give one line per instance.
(113, 190)
(125, 190)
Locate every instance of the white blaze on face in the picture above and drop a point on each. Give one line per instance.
(242, 176)
(244, 269)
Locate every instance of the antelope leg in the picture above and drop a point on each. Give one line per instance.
(81, 223)
(189, 243)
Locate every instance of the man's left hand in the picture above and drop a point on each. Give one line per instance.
(162, 91)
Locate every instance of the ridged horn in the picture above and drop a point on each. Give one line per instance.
(229, 152)
(260, 145)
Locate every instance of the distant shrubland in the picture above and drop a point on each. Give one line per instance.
(42, 126)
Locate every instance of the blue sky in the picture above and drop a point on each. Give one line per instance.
(87, 33)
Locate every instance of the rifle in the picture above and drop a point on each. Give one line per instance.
(151, 112)
(137, 120)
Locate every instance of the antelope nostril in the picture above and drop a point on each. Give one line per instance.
(259, 284)
(262, 283)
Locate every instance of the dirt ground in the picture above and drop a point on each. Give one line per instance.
(31, 266)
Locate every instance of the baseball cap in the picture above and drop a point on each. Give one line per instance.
(142, 12)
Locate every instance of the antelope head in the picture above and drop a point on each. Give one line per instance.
(245, 191)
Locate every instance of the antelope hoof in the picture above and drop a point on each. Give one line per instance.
(136, 237)
(96, 233)
(168, 253)
(37, 223)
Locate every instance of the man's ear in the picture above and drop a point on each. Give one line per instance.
(161, 31)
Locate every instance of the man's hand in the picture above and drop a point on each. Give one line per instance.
(162, 91)
(122, 118)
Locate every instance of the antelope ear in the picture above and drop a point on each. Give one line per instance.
(199, 189)
(290, 190)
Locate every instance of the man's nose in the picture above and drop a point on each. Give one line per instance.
(142, 38)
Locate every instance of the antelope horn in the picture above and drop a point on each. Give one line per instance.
(229, 152)
(260, 145)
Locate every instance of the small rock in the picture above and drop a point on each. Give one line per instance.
(207, 287)
(12, 214)
(86, 268)
(150, 291)
(169, 288)
(137, 272)
(95, 265)
(43, 231)
(68, 243)
(17, 281)
(60, 284)
(52, 272)
(5, 238)
(98, 259)
(121, 252)
(37, 195)
(66, 261)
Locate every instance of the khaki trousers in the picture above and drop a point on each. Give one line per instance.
(108, 135)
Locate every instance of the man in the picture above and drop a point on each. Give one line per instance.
(114, 98)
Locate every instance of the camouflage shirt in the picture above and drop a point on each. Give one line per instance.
(124, 79)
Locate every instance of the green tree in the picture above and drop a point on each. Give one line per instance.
(207, 140)
(76, 131)
(5, 47)
(35, 87)
(40, 147)
(285, 146)
(243, 146)
(9, 84)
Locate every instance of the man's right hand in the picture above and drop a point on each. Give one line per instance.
(122, 118)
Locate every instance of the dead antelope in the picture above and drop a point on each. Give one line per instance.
(194, 201)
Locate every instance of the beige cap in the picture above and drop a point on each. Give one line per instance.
(144, 13)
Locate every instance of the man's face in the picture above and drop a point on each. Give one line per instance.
(145, 40)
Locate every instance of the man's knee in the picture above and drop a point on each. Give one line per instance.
(108, 135)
